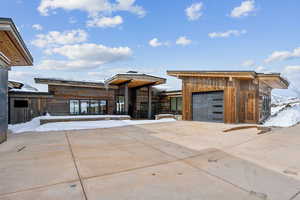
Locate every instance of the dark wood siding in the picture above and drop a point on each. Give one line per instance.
(59, 105)
(3, 104)
(36, 106)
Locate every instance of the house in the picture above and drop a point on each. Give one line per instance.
(130, 93)
(13, 52)
(227, 96)
(218, 96)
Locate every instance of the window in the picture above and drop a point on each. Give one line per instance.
(21, 104)
(74, 107)
(84, 105)
(94, 107)
(103, 107)
(176, 104)
(88, 107)
(120, 104)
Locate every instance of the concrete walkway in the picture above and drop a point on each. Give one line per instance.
(176, 160)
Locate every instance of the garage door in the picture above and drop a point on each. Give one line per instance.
(208, 106)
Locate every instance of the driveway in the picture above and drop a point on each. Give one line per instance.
(176, 160)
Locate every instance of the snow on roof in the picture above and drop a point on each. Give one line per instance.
(24, 87)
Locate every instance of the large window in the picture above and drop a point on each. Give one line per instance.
(120, 104)
(74, 107)
(88, 107)
(176, 104)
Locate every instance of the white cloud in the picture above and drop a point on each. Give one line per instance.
(244, 9)
(227, 34)
(92, 7)
(283, 55)
(105, 22)
(183, 41)
(156, 43)
(60, 38)
(248, 63)
(84, 56)
(193, 12)
(37, 27)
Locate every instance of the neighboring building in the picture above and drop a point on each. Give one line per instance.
(227, 96)
(25, 102)
(13, 52)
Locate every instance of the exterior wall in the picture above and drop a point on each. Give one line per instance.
(165, 105)
(248, 109)
(3, 104)
(191, 85)
(59, 104)
(37, 106)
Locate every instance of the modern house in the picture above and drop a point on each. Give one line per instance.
(227, 96)
(13, 52)
(217, 96)
(129, 93)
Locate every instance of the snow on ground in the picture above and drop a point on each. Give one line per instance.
(276, 109)
(34, 124)
(287, 117)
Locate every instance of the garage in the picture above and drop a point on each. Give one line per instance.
(208, 106)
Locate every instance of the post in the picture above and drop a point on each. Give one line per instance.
(126, 98)
(149, 102)
(3, 103)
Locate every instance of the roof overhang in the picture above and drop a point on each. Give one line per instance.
(214, 74)
(71, 83)
(273, 81)
(13, 49)
(135, 80)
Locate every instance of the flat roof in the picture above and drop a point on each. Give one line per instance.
(62, 82)
(12, 46)
(274, 80)
(134, 80)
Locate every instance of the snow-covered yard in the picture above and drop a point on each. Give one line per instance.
(287, 117)
(34, 124)
(285, 112)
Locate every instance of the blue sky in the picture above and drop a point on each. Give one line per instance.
(94, 39)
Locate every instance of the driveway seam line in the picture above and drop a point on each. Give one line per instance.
(75, 164)
(36, 188)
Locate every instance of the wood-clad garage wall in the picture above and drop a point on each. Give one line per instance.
(191, 85)
(248, 101)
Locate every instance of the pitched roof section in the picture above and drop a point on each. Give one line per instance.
(274, 80)
(135, 80)
(12, 47)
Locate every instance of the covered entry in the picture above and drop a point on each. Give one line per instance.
(208, 106)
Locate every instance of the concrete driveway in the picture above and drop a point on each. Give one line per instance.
(175, 160)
